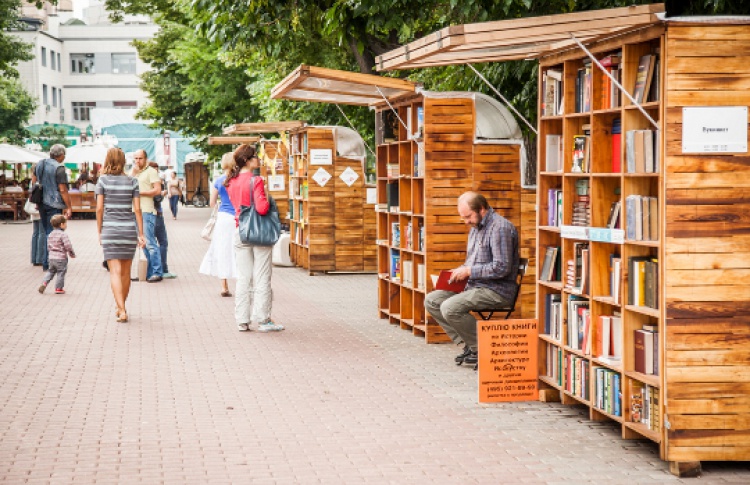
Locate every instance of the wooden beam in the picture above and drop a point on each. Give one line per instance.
(268, 127)
(232, 140)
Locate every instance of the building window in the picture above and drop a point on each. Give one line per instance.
(82, 64)
(125, 104)
(52, 60)
(44, 57)
(59, 64)
(54, 97)
(82, 111)
(45, 99)
(123, 63)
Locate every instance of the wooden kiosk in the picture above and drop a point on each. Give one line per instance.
(424, 162)
(663, 295)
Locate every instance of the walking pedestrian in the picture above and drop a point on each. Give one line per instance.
(58, 249)
(38, 236)
(160, 231)
(55, 198)
(174, 191)
(219, 260)
(252, 305)
(119, 223)
(149, 185)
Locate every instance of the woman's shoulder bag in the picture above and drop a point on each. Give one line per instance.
(256, 229)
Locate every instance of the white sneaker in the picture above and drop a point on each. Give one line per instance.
(269, 326)
(243, 327)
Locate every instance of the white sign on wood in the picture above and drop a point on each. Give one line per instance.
(322, 177)
(349, 176)
(276, 183)
(321, 156)
(714, 129)
(372, 195)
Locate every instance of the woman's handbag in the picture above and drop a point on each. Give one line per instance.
(208, 229)
(36, 191)
(30, 208)
(256, 229)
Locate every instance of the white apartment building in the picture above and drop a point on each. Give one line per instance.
(79, 65)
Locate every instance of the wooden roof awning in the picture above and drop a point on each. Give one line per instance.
(267, 127)
(516, 39)
(318, 84)
(232, 140)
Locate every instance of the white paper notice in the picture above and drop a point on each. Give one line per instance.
(321, 156)
(322, 177)
(372, 195)
(349, 176)
(276, 183)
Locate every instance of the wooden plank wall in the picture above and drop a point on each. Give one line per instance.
(449, 136)
(707, 253)
(320, 203)
(349, 214)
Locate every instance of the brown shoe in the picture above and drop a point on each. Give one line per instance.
(226, 293)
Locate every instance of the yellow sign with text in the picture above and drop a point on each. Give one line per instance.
(508, 369)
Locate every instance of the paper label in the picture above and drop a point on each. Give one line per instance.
(321, 177)
(349, 176)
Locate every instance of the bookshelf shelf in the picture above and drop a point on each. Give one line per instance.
(647, 244)
(604, 413)
(644, 431)
(550, 382)
(549, 339)
(617, 367)
(649, 379)
(577, 398)
(550, 229)
(419, 182)
(555, 285)
(339, 228)
(607, 300)
(643, 310)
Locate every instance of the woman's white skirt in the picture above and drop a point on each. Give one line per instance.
(219, 259)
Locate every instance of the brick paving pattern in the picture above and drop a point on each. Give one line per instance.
(178, 395)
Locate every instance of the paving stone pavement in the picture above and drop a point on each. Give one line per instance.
(178, 395)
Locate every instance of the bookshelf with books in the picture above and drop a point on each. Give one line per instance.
(422, 168)
(332, 228)
(695, 409)
(591, 318)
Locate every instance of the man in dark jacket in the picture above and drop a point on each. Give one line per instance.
(55, 198)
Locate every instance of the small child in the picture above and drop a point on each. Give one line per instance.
(58, 247)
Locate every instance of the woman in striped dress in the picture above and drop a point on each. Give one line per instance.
(120, 224)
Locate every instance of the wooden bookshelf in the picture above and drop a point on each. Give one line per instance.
(429, 163)
(332, 228)
(699, 288)
(275, 163)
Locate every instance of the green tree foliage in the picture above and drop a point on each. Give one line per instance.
(50, 135)
(16, 106)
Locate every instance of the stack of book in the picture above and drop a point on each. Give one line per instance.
(554, 363)
(577, 376)
(644, 406)
(553, 317)
(610, 93)
(582, 204)
(642, 223)
(552, 101)
(576, 278)
(608, 338)
(608, 391)
(578, 316)
(643, 281)
(642, 151)
(646, 349)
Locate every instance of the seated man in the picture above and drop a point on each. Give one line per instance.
(491, 267)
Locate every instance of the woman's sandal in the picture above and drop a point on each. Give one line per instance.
(226, 293)
(122, 316)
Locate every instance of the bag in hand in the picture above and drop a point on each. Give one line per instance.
(36, 191)
(256, 229)
(208, 229)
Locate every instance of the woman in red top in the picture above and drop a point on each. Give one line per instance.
(252, 304)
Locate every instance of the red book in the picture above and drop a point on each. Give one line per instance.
(616, 144)
(443, 283)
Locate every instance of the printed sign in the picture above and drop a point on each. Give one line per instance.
(372, 195)
(714, 129)
(276, 183)
(321, 156)
(321, 177)
(508, 360)
(349, 176)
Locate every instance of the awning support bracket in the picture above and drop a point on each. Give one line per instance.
(507, 103)
(616, 83)
(369, 149)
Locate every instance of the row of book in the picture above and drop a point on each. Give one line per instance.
(644, 406)
(403, 272)
(642, 218)
(646, 343)
(554, 364)
(551, 268)
(642, 151)
(408, 241)
(608, 394)
(298, 144)
(419, 165)
(392, 170)
(643, 287)
(576, 273)
(582, 205)
(300, 213)
(577, 376)
(554, 207)
(298, 188)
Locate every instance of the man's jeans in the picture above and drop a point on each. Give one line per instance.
(452, 311)
(45, 214)
(160, 232)
(38, 243)
(153, 255)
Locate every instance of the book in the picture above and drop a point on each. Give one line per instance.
(616, 145)
(601, 347)
(643, 77)
(549, 316)
(579, 153)
(643, 342)
(554, 153)
(653, 220)
(614, 215)
(616, 338)
(548, 267)
(442, 282)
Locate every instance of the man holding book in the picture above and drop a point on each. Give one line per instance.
(489, 271)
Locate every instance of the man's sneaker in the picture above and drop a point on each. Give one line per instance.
(169, 276)
(269, 326)
(460, 357)
(59, 291)
(472, 358)
(42, 287)
(154, 279)
(243, 327)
